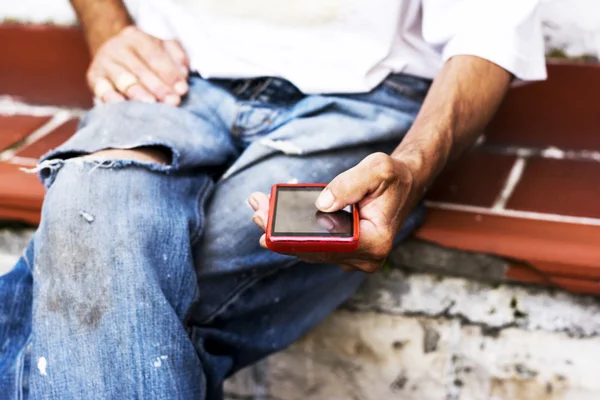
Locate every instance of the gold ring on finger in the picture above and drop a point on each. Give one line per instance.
(125, 81)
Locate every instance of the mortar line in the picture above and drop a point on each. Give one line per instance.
(514, 213)
(23, 161)
(10, 106)
(513, 179)
(57, 120)
(549, 152)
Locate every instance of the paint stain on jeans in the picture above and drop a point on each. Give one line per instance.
(72, 277)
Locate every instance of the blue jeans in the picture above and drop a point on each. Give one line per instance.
(146, 280)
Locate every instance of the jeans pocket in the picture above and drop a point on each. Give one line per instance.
(409, 87)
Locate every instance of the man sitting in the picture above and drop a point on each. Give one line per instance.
(147, 277)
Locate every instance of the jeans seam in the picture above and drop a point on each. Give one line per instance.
(403, 90)
(20, 372)
(199, 211)
(235, 294)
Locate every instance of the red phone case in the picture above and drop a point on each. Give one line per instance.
(309, 244)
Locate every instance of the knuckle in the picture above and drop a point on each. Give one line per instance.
(384, 166)
(129, 31)
(111, 46)
(156, 61)
(341, 185)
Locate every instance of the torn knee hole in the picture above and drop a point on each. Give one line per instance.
(157, 154)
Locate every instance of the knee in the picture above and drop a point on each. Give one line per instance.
(144, 154)
(96, 189)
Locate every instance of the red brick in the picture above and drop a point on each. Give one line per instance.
(569, 270)
(19, 190)
(563, 111)
(475, 179)
(14, 128)
(44, 64)
(29, 216)
(50, 141)
(514, 238)
(525, 274)
(564, 187)
(578, 285)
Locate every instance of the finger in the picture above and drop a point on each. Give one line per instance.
(260, 219)
(368, 266)
(323, 257)
(263, 241)
(155, 56)
(122, 79)
(347, 268)
(139, 92)
(150, 82)
(101, 86)
(175, 50)
(112, 97)
(105, 92)
(353, 185)
(126, 83)
(259, 200)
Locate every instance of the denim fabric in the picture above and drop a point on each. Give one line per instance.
(146, 281)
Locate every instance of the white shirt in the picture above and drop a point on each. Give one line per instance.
(345, 46)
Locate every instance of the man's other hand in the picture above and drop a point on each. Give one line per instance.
(384, 190)
(134, 65)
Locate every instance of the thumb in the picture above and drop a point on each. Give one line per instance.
(347, 188)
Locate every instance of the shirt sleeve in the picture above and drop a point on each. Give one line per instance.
(505, 32)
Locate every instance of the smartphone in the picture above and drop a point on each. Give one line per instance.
(296, 225)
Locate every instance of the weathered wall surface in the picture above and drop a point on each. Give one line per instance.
(570, 25)
(424, 337)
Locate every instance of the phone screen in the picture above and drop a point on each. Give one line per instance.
(295, 214)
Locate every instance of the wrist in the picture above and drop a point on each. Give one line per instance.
(97, 36)
(424, 156)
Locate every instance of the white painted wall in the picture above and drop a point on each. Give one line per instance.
(572, 25)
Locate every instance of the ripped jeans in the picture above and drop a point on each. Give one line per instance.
(146, 280)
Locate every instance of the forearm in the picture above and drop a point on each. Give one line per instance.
(463, 98)
(101, 20)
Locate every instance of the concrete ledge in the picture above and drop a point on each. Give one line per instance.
(12, 243)
(420, 336)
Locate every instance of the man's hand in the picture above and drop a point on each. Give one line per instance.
(383, 189)
(134, 65)
(461, 101)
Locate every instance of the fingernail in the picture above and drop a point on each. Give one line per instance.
(252, 201)
(172, 100)
(325, 200)
(181, 87)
